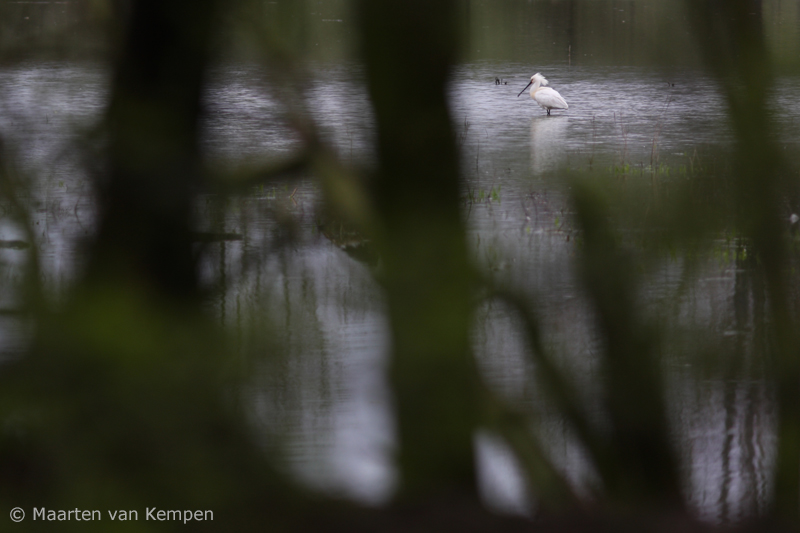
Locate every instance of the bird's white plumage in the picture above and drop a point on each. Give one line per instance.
(546, 97)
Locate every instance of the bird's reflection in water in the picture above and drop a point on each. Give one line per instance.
(548, 142)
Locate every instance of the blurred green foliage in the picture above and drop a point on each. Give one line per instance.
(130, 392)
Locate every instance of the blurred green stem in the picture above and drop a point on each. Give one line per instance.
(644, 468)
(731, 38)
(145, 198)
(409, 48)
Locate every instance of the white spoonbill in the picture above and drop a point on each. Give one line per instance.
(546, 97)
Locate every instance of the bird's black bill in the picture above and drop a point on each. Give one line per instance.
(523, 90)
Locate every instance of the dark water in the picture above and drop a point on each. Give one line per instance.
(309, 300)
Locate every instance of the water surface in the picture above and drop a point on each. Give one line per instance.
(326, 397)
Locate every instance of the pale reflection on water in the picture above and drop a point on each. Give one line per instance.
(328, 397)
(548, 143)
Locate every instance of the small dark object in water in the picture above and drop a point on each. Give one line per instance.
(500, 81)
(497, 81)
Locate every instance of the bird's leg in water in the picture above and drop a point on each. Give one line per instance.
(548, 111)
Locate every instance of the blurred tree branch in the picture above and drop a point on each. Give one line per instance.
(126, 389)
(731, 38)
(427, 275)
(645, 470)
